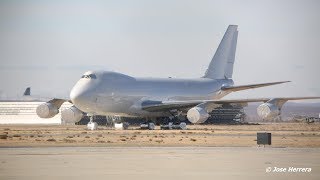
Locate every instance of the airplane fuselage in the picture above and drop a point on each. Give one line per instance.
(110, 93)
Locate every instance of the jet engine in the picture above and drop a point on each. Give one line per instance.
(268, 111)
(197, 115)
(71, 115)
(47, 110)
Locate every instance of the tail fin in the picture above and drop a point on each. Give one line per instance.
(27, 92)
(221, 65)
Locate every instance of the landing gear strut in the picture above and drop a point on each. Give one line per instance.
(148, 124)
(176, 121)
(92, 125)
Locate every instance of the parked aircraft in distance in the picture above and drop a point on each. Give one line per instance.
(112, 93)
(26, 96)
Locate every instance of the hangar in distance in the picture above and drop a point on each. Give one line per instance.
(112, 93)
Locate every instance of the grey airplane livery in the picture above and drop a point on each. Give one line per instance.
(110, 93)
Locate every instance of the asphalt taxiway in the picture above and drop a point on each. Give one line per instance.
(157, 163)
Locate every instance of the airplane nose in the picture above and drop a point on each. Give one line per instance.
(76, 96)
(82, 95)
(82, 99)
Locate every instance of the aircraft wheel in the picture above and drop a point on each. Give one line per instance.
(151, 126)
(183, 126)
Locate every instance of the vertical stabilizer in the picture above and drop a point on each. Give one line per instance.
(27, 92)
(221, 65)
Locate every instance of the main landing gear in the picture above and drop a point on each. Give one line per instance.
(148, 125)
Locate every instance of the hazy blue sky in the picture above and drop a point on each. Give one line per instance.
(48, 45)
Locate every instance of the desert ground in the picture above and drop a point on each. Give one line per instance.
(283, 135)
(202, 151)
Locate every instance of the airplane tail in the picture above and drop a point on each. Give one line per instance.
(27, 92)
(221, 65)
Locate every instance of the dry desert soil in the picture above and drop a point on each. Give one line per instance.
(283, 135)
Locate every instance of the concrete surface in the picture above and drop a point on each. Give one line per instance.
(157, 163)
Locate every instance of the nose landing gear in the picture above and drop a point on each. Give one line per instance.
(92, 125)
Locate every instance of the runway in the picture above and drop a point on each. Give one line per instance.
(157, 163)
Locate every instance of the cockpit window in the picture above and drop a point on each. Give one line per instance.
(89, 76)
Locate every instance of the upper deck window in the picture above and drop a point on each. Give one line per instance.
(89, 76)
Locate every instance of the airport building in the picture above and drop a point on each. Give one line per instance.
(24, 112)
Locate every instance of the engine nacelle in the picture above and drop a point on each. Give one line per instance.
(47, 110)
(197, 115)
(268, 111)
(71, 115)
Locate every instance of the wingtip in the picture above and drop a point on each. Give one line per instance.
(284, 82)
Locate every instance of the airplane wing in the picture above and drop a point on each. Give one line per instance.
(170, 105)
(50, 108)
(250, 86)
(57, 102)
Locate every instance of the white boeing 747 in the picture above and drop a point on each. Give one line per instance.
(110, 93)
